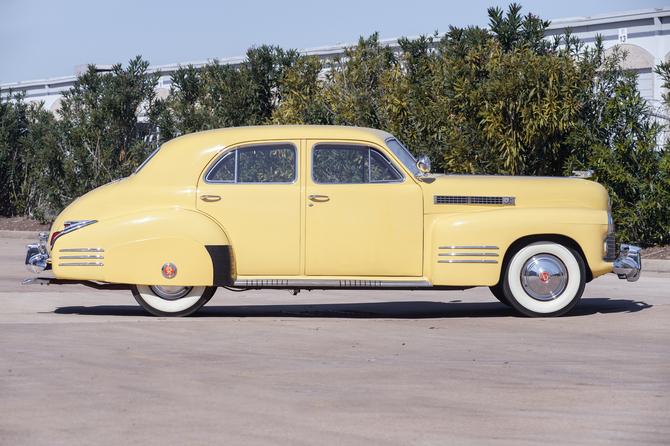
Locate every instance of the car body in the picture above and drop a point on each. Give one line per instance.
(315, 207)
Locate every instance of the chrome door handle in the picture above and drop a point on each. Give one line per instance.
(210, 197)
(318, 197)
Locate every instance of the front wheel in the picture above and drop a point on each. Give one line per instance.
(544, 279)
(499, 294)
(172, 300)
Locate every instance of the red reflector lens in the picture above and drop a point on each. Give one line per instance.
(53, 237)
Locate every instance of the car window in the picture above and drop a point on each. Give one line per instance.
(274, 163)
(381, 169)
(403, 155)
(339, 163)
(224, 171)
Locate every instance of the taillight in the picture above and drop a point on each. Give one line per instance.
(70, 226)
(53, 237)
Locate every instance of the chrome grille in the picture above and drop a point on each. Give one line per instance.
(611, 249)
(455, 199)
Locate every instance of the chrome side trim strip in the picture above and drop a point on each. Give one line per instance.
(469, 254)
(80, 257)
(467, 261)
(82, 264)
(469, 247)
(82, 250)
(330, 283)
(74, 226)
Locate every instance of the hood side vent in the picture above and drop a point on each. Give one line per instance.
(454, 199)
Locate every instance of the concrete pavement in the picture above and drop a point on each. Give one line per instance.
(80, 366)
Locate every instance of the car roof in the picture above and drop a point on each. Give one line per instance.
(234, 135)
(186, 156)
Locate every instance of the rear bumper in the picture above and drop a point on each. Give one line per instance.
(37, 257)
(629, 263)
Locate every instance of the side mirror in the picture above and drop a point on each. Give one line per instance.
(423, 164)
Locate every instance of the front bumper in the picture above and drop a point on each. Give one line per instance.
(629, 263)
(37, 258)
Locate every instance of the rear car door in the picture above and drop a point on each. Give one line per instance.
(254, 193)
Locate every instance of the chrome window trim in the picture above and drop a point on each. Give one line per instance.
(365, 146)
(236, 150)
(221, 158)
(411, 168)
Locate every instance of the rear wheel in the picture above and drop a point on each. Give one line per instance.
(172, 300)
(544, 279)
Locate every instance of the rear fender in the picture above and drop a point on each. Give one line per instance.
(135, 248)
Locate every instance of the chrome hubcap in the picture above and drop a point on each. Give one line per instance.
(544, 277)
(171, 292)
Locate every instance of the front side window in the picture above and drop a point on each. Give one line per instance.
(403, 155)
(275, 163)
(347, 164)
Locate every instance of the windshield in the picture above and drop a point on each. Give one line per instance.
(403, 155)
(147, 160)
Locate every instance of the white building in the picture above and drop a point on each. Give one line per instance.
(644, 34)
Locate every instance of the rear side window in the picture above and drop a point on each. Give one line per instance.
(350, 164)
(273, 163)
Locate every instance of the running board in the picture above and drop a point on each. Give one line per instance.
(88, 283)
(308, 283)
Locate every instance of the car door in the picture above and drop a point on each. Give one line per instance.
(364, 217)
(254, 193)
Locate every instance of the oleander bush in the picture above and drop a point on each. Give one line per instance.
(501, 100)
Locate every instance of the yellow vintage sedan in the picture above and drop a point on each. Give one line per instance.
(327, 207)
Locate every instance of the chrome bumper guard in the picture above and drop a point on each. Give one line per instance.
(37, 259)
(629, 263)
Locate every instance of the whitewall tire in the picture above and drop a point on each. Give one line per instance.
(172, 300)
(544, 279)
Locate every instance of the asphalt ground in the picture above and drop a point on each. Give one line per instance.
(80, 366)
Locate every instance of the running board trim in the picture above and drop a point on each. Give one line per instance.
(309, 283)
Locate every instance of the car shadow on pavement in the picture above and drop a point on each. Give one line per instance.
(374, 310)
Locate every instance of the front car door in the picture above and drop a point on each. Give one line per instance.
(364, 215)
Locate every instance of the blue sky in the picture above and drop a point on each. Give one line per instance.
(42, 39)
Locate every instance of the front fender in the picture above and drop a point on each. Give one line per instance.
(487, 236)
(136, 246)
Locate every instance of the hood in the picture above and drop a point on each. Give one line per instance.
(486, 190)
